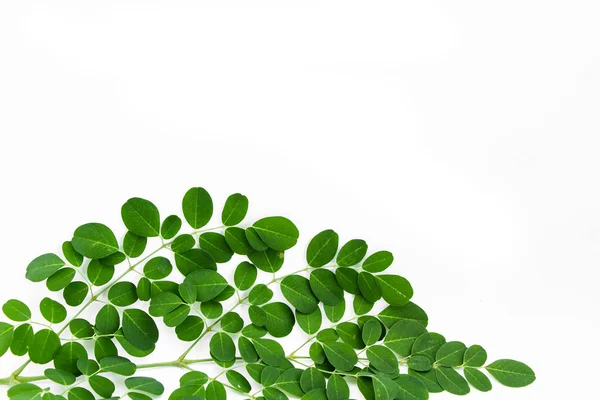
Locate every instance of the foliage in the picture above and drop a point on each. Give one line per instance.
(389, 354)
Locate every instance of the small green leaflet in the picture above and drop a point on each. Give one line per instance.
(296, 289)
(478, 380)
(378, 262)
(352, 253)
(197, 207)
(44, 266)
(53, 311)
(16, 310)
(452, 381)
(322, 248)
(279, 233)
(6, 336)
(235, 209)
(94, 241)
(396, 290)
(141, 217)
(511, 373)
(475, 356)
(139, 329)
(340, 355)
(402, 335)
(451, 354)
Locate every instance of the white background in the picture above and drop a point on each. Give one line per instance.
(462, 136)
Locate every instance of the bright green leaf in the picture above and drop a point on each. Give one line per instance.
(43, 267)
(197, 207)
(352, 253)
(95, 241)
(235, 209)
(322, 248)
(279, 233)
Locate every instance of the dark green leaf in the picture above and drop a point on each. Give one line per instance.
(78, 393)
(235, 209)
(245, 275)
(177, 316)
(428, 344)
(71, 254)
(197, 207)
(139, 329)
(208, 284)
(451, 354)
(382, 359)
(95, 241)
(45, 344)
(260, 294)
(16, 310)
(190, 329)
(254, 240)
(325, 287)
(118, 365)
(67, 355)
(396, 290)
(99, 274)
(378, 262)
(6, 337)
(216, 245)
(122, 294)
(183, 243)
(269, 375)
(238, 381)
(296, 289)
(411, 388)
(337, 388)
(511, 373)
(81, 328)
(429, 379)
(170, 227)
(452, 381)
(107, 320)
(322, 248)
(392, 314)
(347, 278)
(310, 323)
(352, 253)
(384, 388)
(53, 311)
(61, 377)
(270, 352)
(361, 305)
(188, 392)
(163, 304)
(21, 340)
(134, 245)
(316, 352)
(226, 294)
(60, 279)
(328, 335)
(43, 267)
(193, 378)
(478, 380)
(232, 322)
(114, 259)
(188, 292)
(315, 394)
(269, 260)
(102, 386)
(158, 268)
(280, 319)
(222, 347)
(312, 379)
(237, 241)
(158, 287)
(87, 367)
(402, 335)
(340, 355)
(247, 350)
(421, 363)
(475, 356)
(371, 332)
(289, 381)
(130, 348)
(193, 260)
(369, 286)
(279, 233)
(350, 333)
(104, 347)
(143, 289)
(215, 391)
(22, 390)
(141, 217)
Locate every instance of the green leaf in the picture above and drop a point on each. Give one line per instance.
(315, 394)
(279, 233)
(247, 350)
(428, 379)
(60, 279)
(280, 319)
(114, 259)
(392, 314)
(335, 313)
(22, 391)
(71, 254)
(363, 319)
(190, 329)
(402, 335)
(347, 278)
(451, 354)
(67, 355)
(177, 316)
(478, 380)
(269, 375)
(215, 391)
(44, 266)
(352, 253)
(139, 329)
(45, 344)
(188, 292)
(245, 275)
(87, 367)
(269, 260)
(396, 290)
(475, 356)
(384, 388)
(237, 241)
(337, 388)
(208, 284)
(163, 304)
(158, 287)
(21, 340)
(260, 294)
(194, 260)
(197, 207)
(322, 248)
(382, 359)
(296, 289)
(232, 322)
(75, 293)
(324, 285)
(420, 362)
(102, 386)
(118, 365)
(369, 286)
(6, 337)
(78, 393)
(183, 243)
(216, 245)
(170, 227)
(143, 289)
(94, 241)
(410, 388)
(100, 274)
(158, 268)
(340, 355)
(378, 262)
(16, 310)
(511, 373)
(316, 353)
(193, 378)
(235, 209)
(328, 335)
(107, 320)
(61, 377)
(350, 333)
(271, 393)
(312, 379)
(238, 381)
(122, 294)
(289, 381)
(81, 328)
(53, 311)
(226, 294)
(452, 381)
(104, 347)
(254, 240)
(310, 323)
(270, 352)
(134, 245)
(222, 347)
(188, 392)
(361, 305)
(141, 217)
(371, 332)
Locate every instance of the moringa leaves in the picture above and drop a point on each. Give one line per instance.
(511, 373)
(43, 267)
(94, 241)
(235, 209)
(322, 248)
(279, 233)
(197, 207)
(141, 217)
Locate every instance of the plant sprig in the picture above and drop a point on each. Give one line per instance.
(389, 354)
